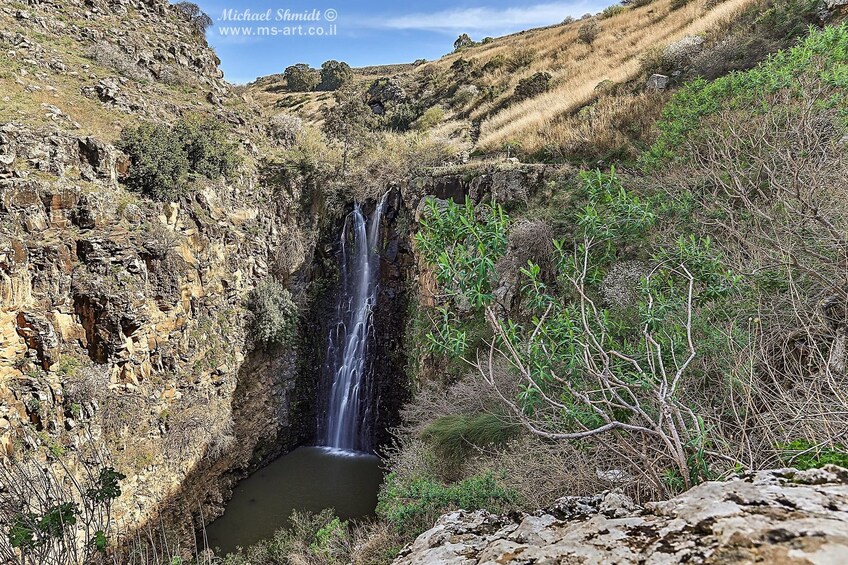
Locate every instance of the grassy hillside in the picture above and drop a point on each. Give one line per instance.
(476, 87)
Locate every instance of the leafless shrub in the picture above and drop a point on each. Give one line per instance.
(47, 511)
(285, 129)
(190, 436)
(175, 75)
(374, 543)
(769, 189)
(113, 57)
(620, 286)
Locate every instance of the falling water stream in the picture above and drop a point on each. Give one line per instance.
(349, 399)
(342, 474)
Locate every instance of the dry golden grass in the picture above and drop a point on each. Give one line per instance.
(578, 68)
(546, 120)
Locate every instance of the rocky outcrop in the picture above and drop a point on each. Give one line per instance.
(783, 516)
(123, 320)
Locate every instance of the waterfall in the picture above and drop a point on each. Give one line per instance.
(348, 341)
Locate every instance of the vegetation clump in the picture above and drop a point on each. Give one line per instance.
(165, 159)
(302, 78)
(274, 312)
(538, 83)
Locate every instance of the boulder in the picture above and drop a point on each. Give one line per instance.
(657, 82)
(780, 516)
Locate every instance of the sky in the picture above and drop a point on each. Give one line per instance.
(363, 32)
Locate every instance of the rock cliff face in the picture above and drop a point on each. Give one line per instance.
(783, 516)
(128, 315)
(123, 323)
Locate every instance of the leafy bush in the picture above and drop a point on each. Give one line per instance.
(400, 117)
(430, 118)
(274, 313)
(822, 54)
(159, 161)
(334, 75)
(495, 63)
(462, 42)
(209, 152)
(197, 18)
(412, 507)
(164, 159)
(318, 539)
(301, 78)
(464, 247)
(532, 86)
(803, 455)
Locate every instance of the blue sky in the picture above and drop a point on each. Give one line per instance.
(367, 32)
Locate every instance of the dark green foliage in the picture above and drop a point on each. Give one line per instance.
(274, 313)
(589, 31)
(453, 437)
(159, 162)
(463, 42)
(411, 507)
(334, 75)
(107, 486)
(164, 159)
(532, 86)
(205, 143)
(494, 63)
(700, 98)
(301, 78)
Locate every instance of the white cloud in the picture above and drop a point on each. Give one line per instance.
(482, 19)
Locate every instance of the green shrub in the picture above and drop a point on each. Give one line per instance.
(309, 538)
(495, 63)
(453, 437)
(206, 146)
(824, 55)
(412, 507)
(274, 314)
(334, 75)
(532, 86)
(803, 455)
(613, 10)
(401, 117)
(430, 118)
(589, 32)
(164, 159)
(159, 163)
(301, 78)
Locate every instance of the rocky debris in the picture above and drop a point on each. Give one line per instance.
(779, 516)
(657, 82)
(385, 91)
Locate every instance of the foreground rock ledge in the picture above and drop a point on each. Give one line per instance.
(780, 516)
